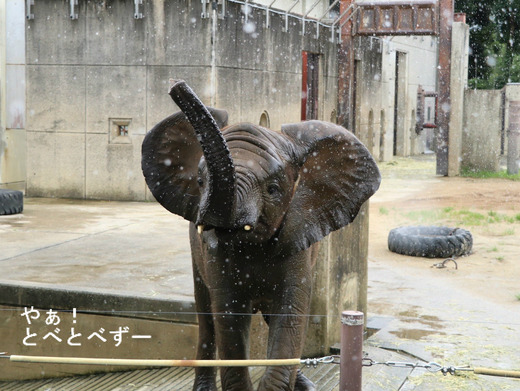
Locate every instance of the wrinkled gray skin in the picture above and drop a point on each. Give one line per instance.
(259, 202)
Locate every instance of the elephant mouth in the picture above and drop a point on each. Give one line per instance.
(249, 233)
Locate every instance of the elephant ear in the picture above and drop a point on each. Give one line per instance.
(170, 158)
(337, 176)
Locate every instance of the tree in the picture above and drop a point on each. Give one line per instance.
(494, 41)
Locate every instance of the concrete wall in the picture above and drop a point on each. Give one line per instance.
(12, 95)
(481, 130)
(376, 96)
(458, 83)
(486, 122)
(83, 75)
(512, 93)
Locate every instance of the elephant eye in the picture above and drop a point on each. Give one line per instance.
(273, 189)
(199, 181)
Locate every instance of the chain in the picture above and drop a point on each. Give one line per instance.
(368, 362)
(430, 367)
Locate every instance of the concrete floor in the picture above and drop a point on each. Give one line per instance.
(110, 246)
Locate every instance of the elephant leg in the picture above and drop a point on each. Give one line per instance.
(205, 379)
(288, 324)
(232, 332)
(302, 383)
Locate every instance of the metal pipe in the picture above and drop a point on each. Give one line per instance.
(351, 361)
(267, 11)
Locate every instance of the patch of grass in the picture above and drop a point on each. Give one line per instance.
(517, 217)
(467, 217)
(493, 250)
(518, 296)
(462, 217)
(426, 216)
(465, 172)
(383, 210)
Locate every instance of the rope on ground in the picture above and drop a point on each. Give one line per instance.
(367, 362)
(167, 363)
(434, 367)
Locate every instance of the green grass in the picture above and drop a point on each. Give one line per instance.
(462, 217)
(489, 174)
(384, 211)
(518, 296)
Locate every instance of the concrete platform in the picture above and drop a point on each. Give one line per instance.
(128, 260)
(114, 247)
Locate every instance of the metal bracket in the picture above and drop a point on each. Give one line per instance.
(286, 29)
(28, 9)
(137, 10)
(73, 14)
(206, 10)
(267, 14)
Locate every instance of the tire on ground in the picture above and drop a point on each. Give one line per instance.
(11, 202)
(430, 242)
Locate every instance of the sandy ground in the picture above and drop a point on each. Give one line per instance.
(488, 208)
(465, 316)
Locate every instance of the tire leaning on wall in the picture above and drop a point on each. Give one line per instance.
(11, 202)
(430, 242)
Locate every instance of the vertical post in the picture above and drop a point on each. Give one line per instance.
(351, 351)
(446, 10)
(513, 135)
(345, 69)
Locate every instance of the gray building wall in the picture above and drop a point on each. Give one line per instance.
(85, 76)
(481, 130)
(485, 129)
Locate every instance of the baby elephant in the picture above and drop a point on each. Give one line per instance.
(258, 201)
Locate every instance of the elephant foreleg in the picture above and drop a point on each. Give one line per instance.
(288, 325)
(206, 349)
(232, 332)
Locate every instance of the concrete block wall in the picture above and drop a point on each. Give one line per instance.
(481, 130)
(12, 95)
(84, 74)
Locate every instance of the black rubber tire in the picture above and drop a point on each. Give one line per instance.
(11, 202)
(430, 242)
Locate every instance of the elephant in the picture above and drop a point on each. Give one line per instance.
(258, 201)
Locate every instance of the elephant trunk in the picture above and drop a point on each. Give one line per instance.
(217, 205)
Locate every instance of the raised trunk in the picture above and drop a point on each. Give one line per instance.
(217, 206)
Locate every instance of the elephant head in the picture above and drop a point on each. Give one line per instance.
(290, 188)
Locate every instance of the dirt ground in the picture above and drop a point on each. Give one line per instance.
(488, 208)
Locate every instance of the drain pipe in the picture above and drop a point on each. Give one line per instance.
(213, 72)
(351, 359)
(512, 137)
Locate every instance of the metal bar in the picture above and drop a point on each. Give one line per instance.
(28, 9)
(204, 14)
(137, 12)
(444, 75)
(73, 13)
(328, 10)
(287, 15)
(351, 361)
(312, 7)
(222, 13)
(267, 11)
